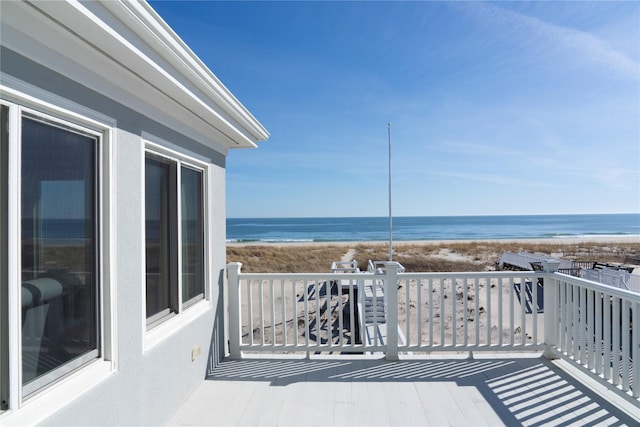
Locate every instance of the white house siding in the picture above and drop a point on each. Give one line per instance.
(148, 380)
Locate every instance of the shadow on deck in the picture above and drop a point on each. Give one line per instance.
(355, 391)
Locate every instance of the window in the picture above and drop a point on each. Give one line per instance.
(50, 251)
(161, 238)
(59, 250)
(192, 236)
(174, 236)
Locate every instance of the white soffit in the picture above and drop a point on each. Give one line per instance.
(127, 52)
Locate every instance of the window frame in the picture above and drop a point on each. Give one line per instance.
(4, 254)
(186, 311)
(35, 402)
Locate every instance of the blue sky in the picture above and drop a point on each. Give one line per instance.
(496, 108)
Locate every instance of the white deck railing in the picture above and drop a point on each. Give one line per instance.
(430, 312)
(593, 327)
(493, 311)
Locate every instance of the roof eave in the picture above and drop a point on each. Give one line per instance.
(137, 56)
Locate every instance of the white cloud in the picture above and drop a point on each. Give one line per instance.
(586, 46)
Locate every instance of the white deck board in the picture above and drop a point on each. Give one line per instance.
(431, 393)
(360, 391)
(343, 405)
(407, 409)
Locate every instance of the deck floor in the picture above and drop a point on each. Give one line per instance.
(356, 391)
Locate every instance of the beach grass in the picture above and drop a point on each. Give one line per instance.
(428, 256)
(285, 258)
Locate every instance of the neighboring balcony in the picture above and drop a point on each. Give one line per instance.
(429, 348)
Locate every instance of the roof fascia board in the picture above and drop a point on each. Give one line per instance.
(98, 41)
(35, 35)
(158, 34)
(100, 31)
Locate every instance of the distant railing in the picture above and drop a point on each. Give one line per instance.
(431, 312)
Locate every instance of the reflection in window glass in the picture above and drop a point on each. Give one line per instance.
(58, 250)
(192, 235)
(160, 233)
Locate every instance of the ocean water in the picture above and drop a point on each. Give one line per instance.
(430, 228)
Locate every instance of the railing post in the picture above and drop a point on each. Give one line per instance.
(635, 351)
(233, 273)
(550, 290)
(391, 285)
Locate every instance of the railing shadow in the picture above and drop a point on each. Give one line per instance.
(531, 391)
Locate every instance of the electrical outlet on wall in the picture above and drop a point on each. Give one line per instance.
(195, 352)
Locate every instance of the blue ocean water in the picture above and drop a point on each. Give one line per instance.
(430, 228)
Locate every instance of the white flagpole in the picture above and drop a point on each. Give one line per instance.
(390, 217)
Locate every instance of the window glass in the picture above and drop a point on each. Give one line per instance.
(59, 290)
(192, 235)
(160, 234)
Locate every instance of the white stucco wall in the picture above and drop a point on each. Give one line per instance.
(147, 385)
(118, 65)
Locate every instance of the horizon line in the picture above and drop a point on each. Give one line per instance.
(434, 216)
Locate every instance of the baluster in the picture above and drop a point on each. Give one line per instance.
(534, 310)
(626, 349)
(465, 309)
(316, 286)
(442, 313)
(419, 307)
(512, 338)
(284, 313)
(352, 316)
(597, 341)
(635, 346)
(500, 286)
(294, 298)
(307, 327)
(523, 311)
(487, 284)
(431, 313)
(407, 332)
(273, 312)
(454, 284)
(590, 332)
(608, 339)
(340, 307)
(583, 324)
(615, 350)
(250, 308)
(476, 287)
